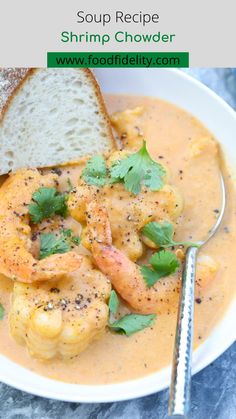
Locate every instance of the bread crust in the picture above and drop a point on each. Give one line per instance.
(16, 77)
(101, 101)
(11, 80)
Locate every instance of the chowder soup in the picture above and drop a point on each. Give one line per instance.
(179, 142)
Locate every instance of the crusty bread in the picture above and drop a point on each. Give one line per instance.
(50, 116)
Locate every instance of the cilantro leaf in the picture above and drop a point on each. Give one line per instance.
(132, 323)
(162, 234)
(159, 233)
(68, 234)
(95, 171)
(113, 302)
(2, 312)
(47, 202)
(50, 245)
(149, 275)
(138, 169)
(76, 240)
(164, 263)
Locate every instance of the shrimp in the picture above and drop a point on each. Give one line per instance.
(127, 213)
(125, 275)
(128, 125)
(16, 260)
(60, 319)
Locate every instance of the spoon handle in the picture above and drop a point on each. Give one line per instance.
(179, 400)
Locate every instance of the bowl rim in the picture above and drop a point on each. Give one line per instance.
(127, 390)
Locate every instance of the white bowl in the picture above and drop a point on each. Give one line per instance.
(220, 119)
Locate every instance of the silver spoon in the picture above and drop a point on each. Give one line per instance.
(179, 399)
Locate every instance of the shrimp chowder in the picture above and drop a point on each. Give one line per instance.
(91, 253)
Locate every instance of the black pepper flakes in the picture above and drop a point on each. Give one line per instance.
(55, 290)
(198, 300)
(57, 171)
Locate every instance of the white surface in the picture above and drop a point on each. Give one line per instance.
(191, 95)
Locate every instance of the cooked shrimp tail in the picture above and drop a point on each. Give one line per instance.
(16, 260)
(55, 266)
(125, 275)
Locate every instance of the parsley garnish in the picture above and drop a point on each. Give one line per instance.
(68, 233)
(131, 323)
(113, 302)
(50, 245)
(76, 240)
(163, 263)
(162, 234)
(138, 169)
(134, 170)
(95, 171)
(2, 312)
(47, 202)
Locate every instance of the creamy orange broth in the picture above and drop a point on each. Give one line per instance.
(114, 357)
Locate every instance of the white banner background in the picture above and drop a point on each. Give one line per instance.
(205, 28)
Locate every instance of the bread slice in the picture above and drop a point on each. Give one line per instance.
(50, 116)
